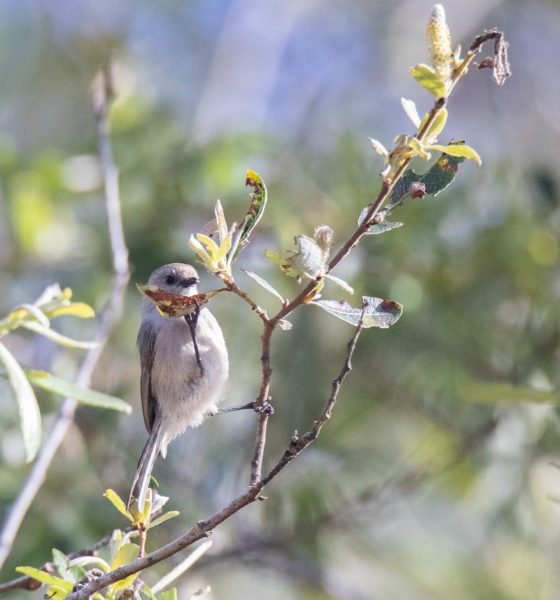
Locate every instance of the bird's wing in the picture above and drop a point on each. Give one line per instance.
(146, 346)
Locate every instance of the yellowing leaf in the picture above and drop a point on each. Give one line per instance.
(46, 578)
(165, 517)
(118, 503)
(125, 554)
(459, 150)
(76, 309)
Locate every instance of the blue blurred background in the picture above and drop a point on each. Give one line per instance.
(413, 491)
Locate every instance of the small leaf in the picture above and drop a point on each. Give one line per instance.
(378, 312)
(340, 282)
(168, 594)
(118, 503)
(221, 224)
(436, 127)
(65, 388)
(418, 148)
(490, 393)
(125, 554)
(76, 309)
(429, 80)
(379, 147)
(83, 561)
(46, 578)
(36, 313)
(171, 514)
(459, 150)
(284, 325)
(59, 338)
(383, 227)
(29, 414)
(263, 283)
(411, 112)
(254, 214)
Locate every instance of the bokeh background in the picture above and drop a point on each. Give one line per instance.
(413, 491)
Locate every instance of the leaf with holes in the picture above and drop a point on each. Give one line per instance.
(377, 313)
(175, 305)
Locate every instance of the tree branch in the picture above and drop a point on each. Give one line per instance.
(204, 528)
(101, 95)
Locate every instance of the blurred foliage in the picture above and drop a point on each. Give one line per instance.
(412, 491)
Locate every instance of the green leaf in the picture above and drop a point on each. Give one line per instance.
(118, 503)
(489, 393)
(429, 80)
(165, 517)
(125, 554)
(436, 127)
(168, 594)
(254, 214)
(29, 415)
(46, 578)
(65, 388)
(76, 309)
(263, 283)
(59, 338)
(435, 180)
(378, 312)
(340, 282)
(381, 227)
(60, 561)
(461, 150)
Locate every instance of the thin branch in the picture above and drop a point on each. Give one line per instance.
(204, 528)
(111, 312)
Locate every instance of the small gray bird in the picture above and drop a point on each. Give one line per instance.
(184, 369)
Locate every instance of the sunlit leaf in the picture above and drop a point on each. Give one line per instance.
(65, 388)
(175, 305)
(411, 111)
(490, 393)
(46, 578)
(284, 325)
(429, 80)
(263, 283)
(58, 337)
(460, 150)
(29, 415)
(117, 502)
(168, 595)
(76, 309)
(125, 554)
(378, 312)
(165, 517)
(97, 561)
(436, 127)
(418, 148)
(379, 147)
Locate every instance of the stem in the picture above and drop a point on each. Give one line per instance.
(110, 314)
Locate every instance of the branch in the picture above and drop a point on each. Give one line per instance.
(101, 94)
(203, 528)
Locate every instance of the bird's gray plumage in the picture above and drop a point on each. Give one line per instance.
(175, 392)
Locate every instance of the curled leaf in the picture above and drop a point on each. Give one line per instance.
(377, 313)
(29, 415)
(175, 305)
(254, 213)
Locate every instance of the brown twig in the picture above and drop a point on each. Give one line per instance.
(204, 528)
(101, 99)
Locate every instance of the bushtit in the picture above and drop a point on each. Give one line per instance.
(184, 368)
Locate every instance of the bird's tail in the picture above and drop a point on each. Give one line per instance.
(145, 466)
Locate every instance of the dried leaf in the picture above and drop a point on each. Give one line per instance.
(175, 305)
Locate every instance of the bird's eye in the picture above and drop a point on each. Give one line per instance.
(170, 279)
